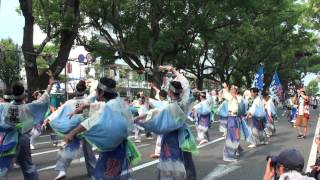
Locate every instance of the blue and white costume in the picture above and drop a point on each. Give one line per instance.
(203, 113)
(258, 113)
(271, 114)
(107, 129)
(177, 140)
(16, 120)
(61, 124)
(158, 104)
(222, 113)
(236, 127)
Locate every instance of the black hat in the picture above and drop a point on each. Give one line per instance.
(291, 159)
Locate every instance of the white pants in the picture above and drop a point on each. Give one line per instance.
(35, 133)
(157, 150)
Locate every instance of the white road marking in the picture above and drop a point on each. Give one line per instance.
(136, 168)
(211, 142)
(221, 170)
(313, 151)
(43, 143)
(81, 160)
(44, 136)
(44, 152)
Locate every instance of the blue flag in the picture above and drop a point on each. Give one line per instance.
(258, 79)
(276, 87)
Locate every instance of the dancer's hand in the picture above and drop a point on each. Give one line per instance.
(44, 124)
(69, 137)
(71, 114)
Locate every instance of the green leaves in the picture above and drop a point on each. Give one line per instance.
(312, 88)
(9, 62)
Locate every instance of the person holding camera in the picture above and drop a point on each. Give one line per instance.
(288, 165)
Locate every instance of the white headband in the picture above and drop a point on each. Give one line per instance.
(174, 90)
(105, 88)
(7, 96)
(22, 96)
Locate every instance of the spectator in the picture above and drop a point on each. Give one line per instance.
(303, 114)
(288, 165)
(315, 169)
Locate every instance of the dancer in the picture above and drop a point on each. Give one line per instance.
(16, 120)
(222, 113)
(37, 128)
(270, 114)
(293, 101)
(106, 128)
(60, 123)
(236, 108)
(203, 112)
(258, 115)
(177, 141)
(158, 104)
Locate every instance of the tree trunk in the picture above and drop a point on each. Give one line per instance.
(200, 83)
(27, 47)
(67, 36)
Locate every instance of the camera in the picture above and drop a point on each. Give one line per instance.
(273, 164)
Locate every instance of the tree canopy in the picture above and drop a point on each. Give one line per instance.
(218, 40)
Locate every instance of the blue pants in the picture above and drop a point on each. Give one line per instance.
(89, 156)
(29, 170)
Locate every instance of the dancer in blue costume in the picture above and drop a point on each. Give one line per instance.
(158, 103)
(222, 114)
(203, 112)
(106, 128)
(16, 120)
(37, 128)
(61, 124)
(271, 114)
(258, 115)
(236, 127)
(177, 142)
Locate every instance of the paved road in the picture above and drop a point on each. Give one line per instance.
(209, 162)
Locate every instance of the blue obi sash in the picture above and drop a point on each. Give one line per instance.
(8, 142)
(259, 122)
(8, 145)
(171, 157)
(111, 164)
(204, 120)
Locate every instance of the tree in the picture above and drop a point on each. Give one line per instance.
(145, 34)
(312, 88)
(9, 62)
(60, 21)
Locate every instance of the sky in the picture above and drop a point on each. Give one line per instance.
(11, 26)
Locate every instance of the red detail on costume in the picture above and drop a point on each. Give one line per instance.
(1, 137)
(237, 132)
(113, 168)
(166, 150)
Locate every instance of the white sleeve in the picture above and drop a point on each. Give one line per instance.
(185, 96)
(252, 109)
(44, 98)
(94, 111)
(227, 95)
